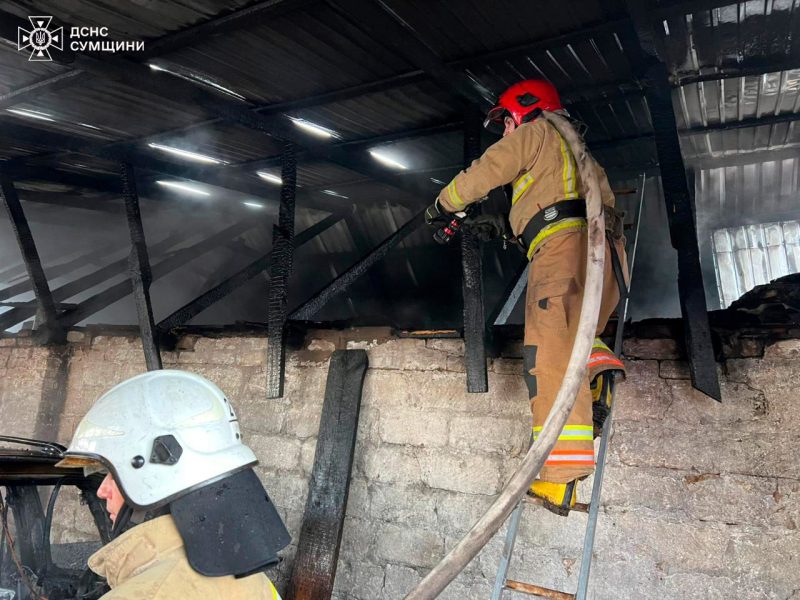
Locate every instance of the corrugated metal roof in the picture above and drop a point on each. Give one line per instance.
(753, 255)
(458, 28)
(292, 56)
(134, 19)
(743, 99)
(317, 50)
(97, 109)
(405, 107)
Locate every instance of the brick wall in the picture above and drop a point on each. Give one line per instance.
(701, 500)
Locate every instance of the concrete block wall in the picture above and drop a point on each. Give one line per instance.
(701, 500)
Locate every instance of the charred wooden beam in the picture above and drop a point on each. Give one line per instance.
(280, 271)
(679, 199)
(190, 310)
(343, 281)
(472, 277)
(643, 48)
(139, 269)
(317, 555)
(101, 182)
(37, 89)
(47, 320)
(750, 66)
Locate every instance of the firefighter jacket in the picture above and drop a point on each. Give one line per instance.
(148, 562)
(539, 165)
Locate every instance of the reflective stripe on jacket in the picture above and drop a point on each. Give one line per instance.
(148, 562)
(538, 163)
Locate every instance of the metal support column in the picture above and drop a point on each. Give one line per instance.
(472, 282)
(280, 271)
(46, 318)
(139, 269)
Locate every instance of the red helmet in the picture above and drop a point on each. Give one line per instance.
(521, 100)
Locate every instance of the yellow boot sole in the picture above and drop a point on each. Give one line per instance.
(558, 498)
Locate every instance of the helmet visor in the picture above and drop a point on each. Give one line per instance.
(494, 119)
(88, 464)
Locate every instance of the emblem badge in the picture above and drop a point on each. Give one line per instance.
(40, 38)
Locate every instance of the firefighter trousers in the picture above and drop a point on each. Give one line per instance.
(552, 310)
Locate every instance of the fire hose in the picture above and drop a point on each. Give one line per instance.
(480, 534)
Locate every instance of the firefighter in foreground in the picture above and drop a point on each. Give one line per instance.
(191, 519)
(548, 220)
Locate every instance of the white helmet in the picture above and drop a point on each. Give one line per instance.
(161, 434)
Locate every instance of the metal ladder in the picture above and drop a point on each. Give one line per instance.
(502, 583)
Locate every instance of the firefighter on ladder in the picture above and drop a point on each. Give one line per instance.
(548, 220)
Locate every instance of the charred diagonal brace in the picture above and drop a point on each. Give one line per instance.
(33, 264)
(190, 310)
(341, 283)
(575, 375)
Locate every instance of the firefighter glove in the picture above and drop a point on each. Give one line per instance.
(435, 215)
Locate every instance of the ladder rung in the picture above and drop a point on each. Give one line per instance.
(579, 506)
(536, 590)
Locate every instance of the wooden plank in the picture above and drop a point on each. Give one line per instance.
(318, 549)
(536, 590)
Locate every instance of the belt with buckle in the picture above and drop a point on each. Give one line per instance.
(564, 209)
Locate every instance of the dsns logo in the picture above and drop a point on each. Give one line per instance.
(40, 38)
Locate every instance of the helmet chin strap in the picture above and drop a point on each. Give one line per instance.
(121, 522)
(127, 517)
